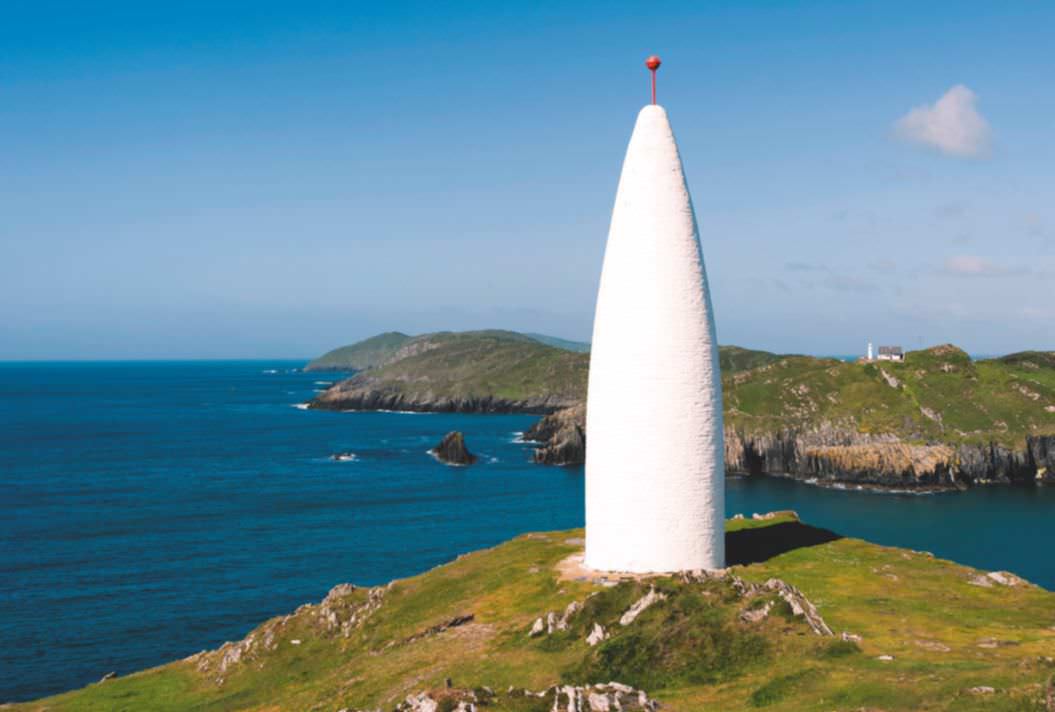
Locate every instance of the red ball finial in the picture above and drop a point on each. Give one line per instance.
(653, 63)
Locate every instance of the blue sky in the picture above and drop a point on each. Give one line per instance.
(263, 180)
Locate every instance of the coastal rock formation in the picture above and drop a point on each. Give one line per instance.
(360, 394)
(602, 697)
(344, 609)
(839, 456)
(832, 455)
(452, 450)
(563, 437)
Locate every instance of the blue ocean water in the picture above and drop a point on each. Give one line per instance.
(153, 509)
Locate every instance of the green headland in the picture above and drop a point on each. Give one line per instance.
(804, 620)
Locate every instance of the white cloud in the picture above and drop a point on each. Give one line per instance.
(951, 125)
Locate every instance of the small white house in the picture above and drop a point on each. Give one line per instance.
(891, 353)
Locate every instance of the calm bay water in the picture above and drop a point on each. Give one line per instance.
(151, 510)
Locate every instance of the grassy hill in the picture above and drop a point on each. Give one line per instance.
(935, 395)
(393, 345)
(492, 371)
(567, 345)
(921, 633)
(362, 355)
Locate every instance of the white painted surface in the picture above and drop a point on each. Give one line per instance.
(655, 479)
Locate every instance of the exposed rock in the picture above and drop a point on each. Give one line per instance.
(982, 690)
(560, 698)
(885, 658)
(839, 455)
(980, 580)
(562, 437)
(552, 623)
(640, 605)
(836, 455)
(335, 614)
(796, 599)
(1006, 578)
(754, 615)
(774, 515)
(452, 450)
(598, 698)
(850, 637)
(597, 635)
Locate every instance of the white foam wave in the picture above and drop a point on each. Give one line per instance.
(301, 406)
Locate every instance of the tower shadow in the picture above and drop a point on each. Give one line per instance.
(753, 546)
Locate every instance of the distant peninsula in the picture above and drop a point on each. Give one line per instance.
(938, 420)
(470, 372)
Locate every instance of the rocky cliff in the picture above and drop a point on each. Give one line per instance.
(561, 437)
(838, 456)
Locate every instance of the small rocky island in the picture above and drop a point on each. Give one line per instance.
(452, 450)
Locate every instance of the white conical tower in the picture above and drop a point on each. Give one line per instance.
(655, 480)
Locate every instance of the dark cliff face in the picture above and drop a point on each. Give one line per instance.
(562, 437)
(452, 450)
(832, 455)
(837, 456)
(377, 400)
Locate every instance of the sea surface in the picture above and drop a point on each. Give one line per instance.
(150, 510)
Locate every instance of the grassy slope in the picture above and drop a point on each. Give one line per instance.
(566, 344)
(362, 355)
(480, 363)
(736, 358)
(375, 351)
(999, 399)
(691, 652)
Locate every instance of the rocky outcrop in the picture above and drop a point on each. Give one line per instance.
(606, 697)
(364, 393)
(345, 608)
(836, 456)
(562, 437)
(452, 450)
(831, 455)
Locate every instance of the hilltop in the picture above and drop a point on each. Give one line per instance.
(804, 620)
(473, 371)
(391, 346)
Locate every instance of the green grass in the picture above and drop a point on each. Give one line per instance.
(366, 354)
(690, 651)
(937, 395)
